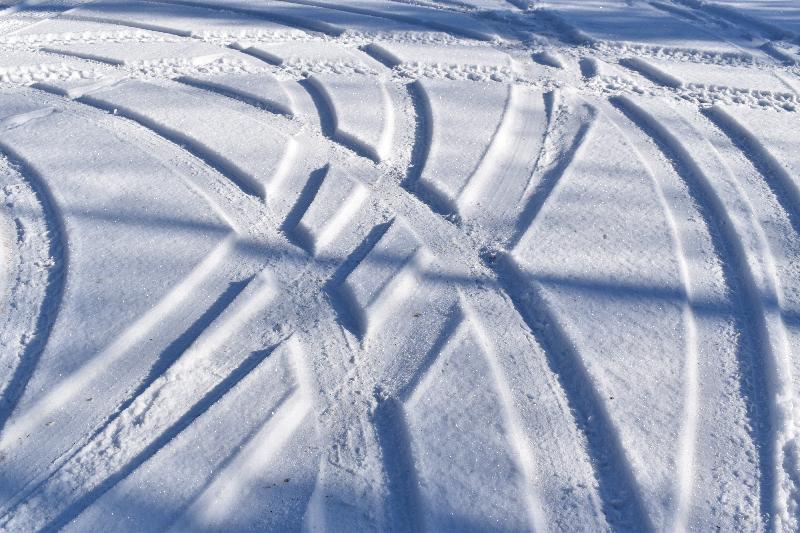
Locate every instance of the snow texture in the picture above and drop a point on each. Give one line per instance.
(384, 265)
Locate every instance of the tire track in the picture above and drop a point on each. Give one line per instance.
(385, 278)
(307, 196)
(423, 139)
(74, 509)
(49, 405)
(212, 149)
(637, 515)
(536, 314)
(347, 318)
(692, 305)
(561, 147)
(209, 189)
(336, 202)
(751, 276)
(327, 119)
(394, 436)
(167, 359)
(233, 421)
(785, 188)
(304, 268)
(498, 179)
(127, 440)
(611, 497)
(223, 167)
(58, 252)
(8, 234)
(323, 96)
(517, 441)
(425, 208)
(621, 502)
(65, 391)
(394, 415)
(613, 471)
(448, 184)
(217, 503)
(270, 105)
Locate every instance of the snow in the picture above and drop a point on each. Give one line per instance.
(131, 53)
(179, 20)
(370, 134)
(634, 24)
(372, 265)
(780, 18)
(256, 164)
(335, 203)
(262, 88)
(457, 141)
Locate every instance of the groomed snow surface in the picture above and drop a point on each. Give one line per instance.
(369, 265)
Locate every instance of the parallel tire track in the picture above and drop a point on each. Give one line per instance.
(758, 311)
(15, 384)
(323, 260)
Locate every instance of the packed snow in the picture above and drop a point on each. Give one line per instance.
(399, 265)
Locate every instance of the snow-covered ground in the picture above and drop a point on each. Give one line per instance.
(357, 265)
